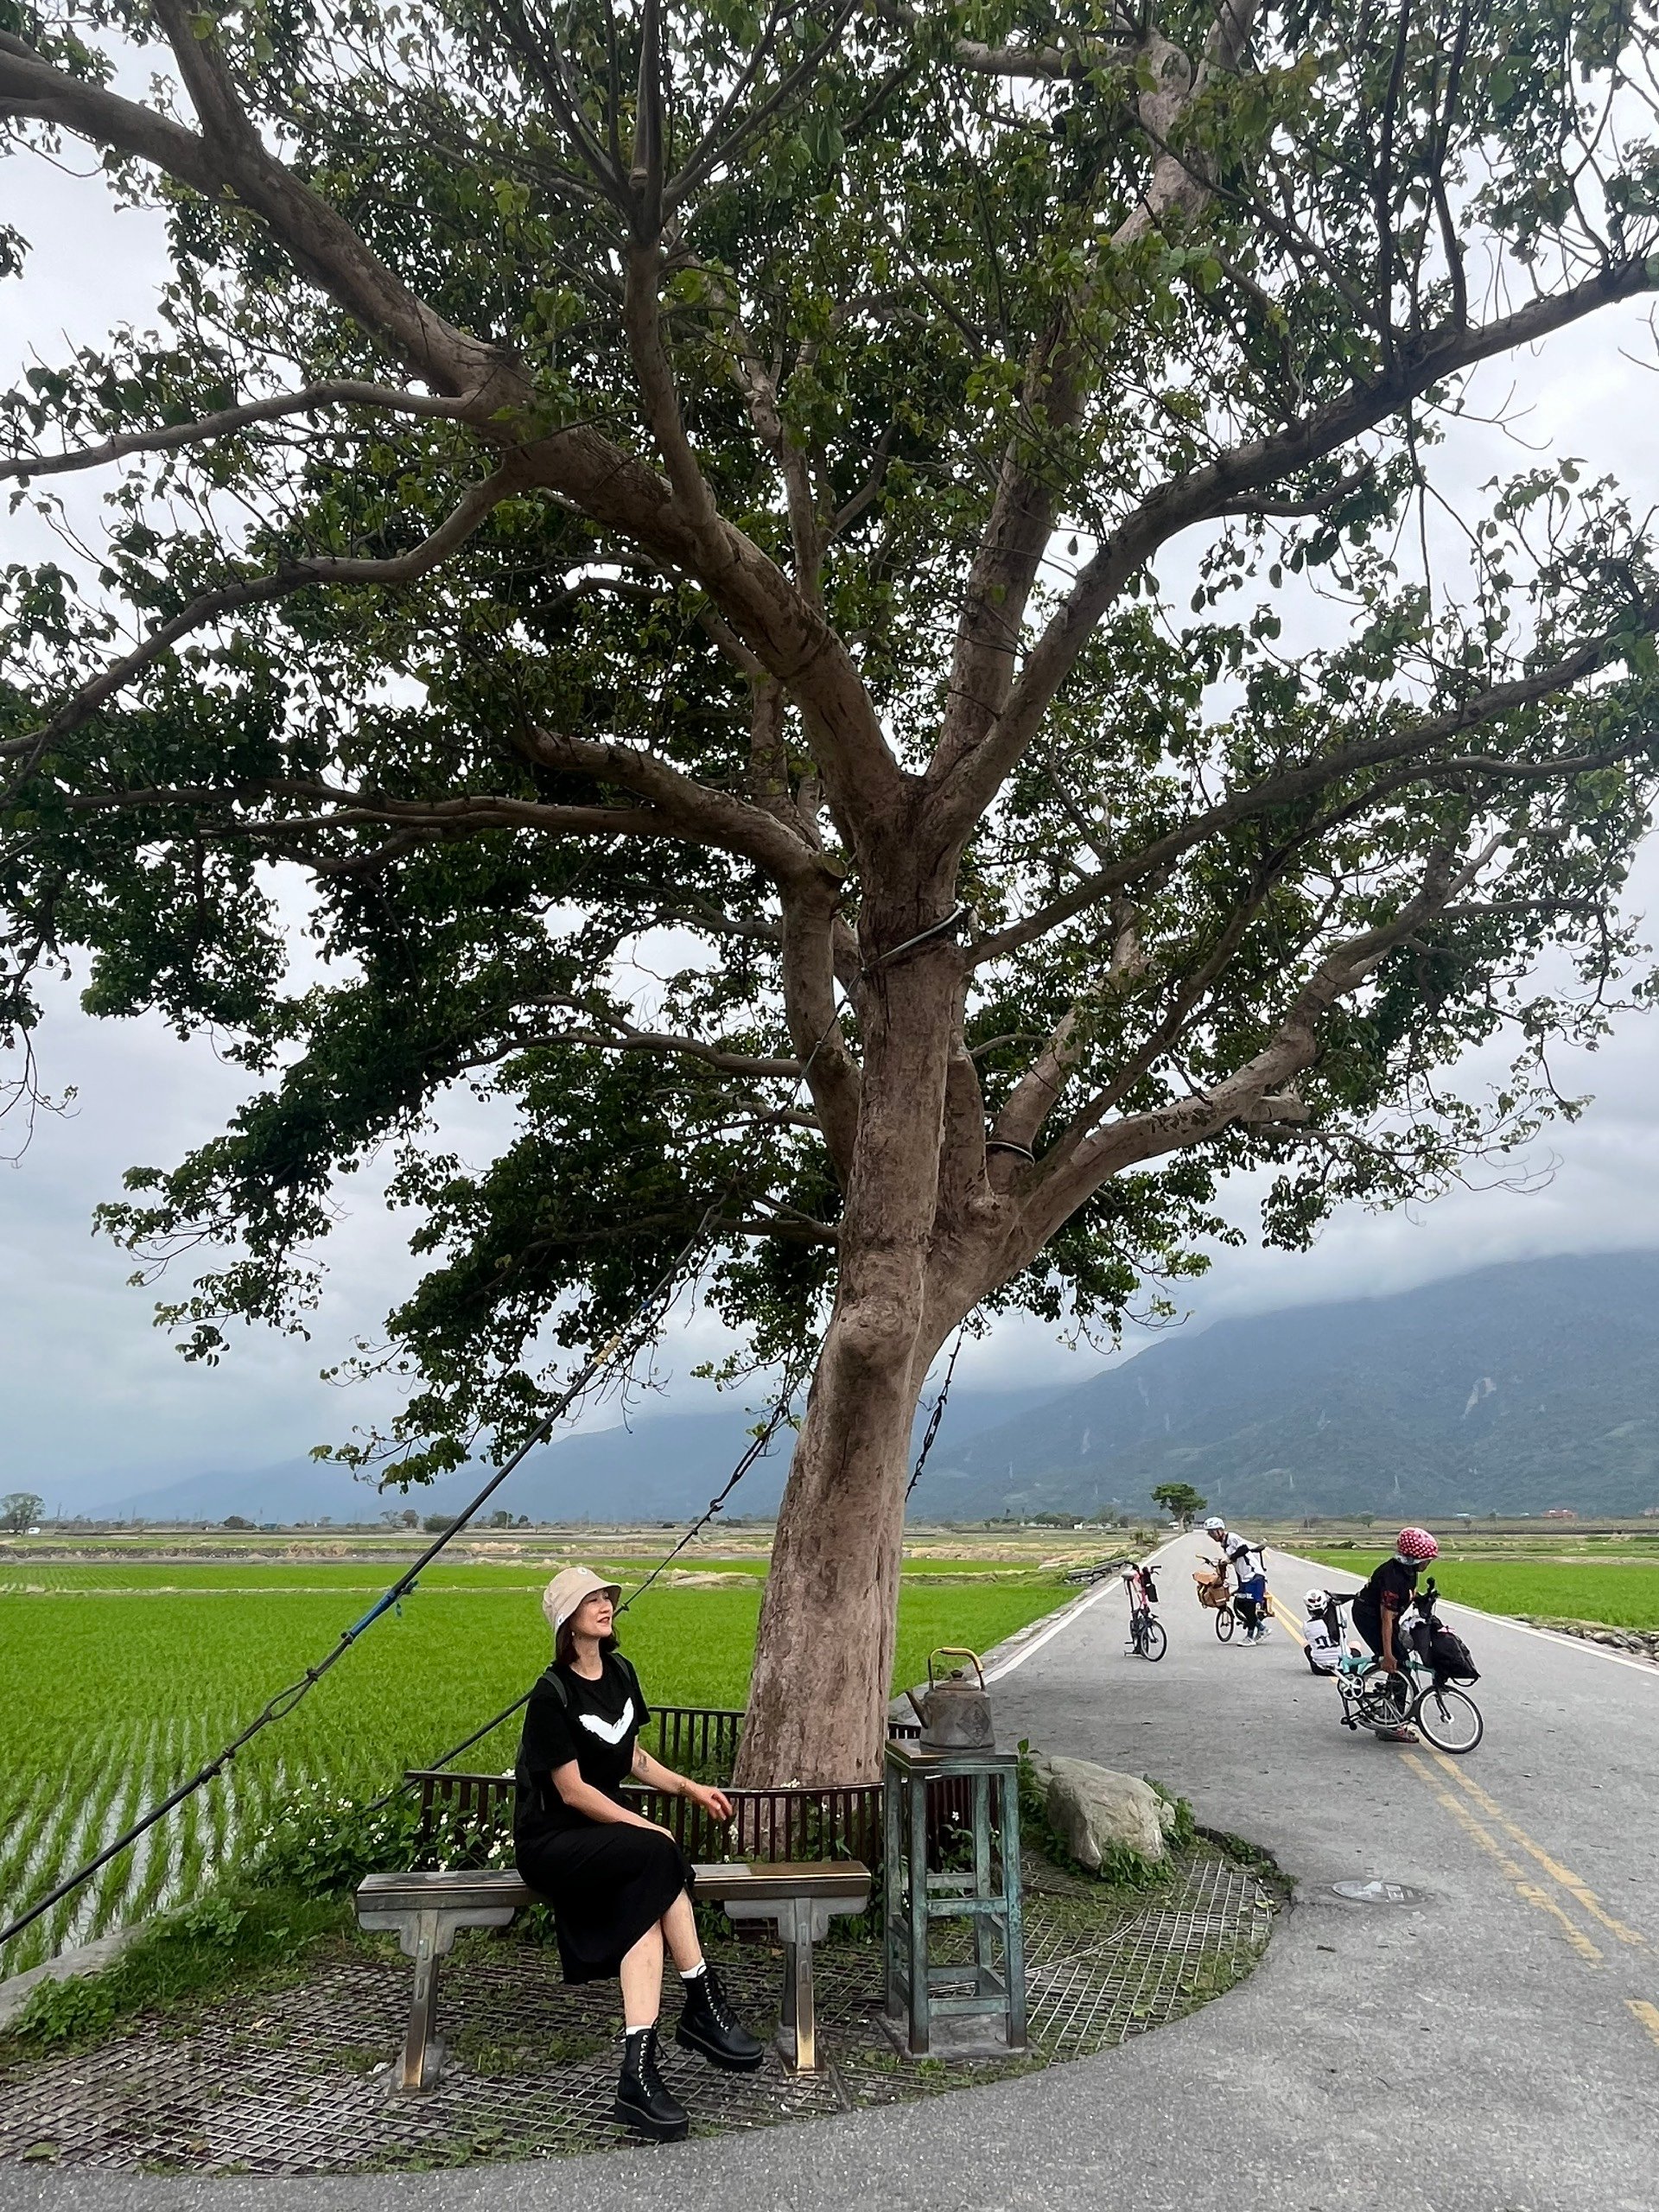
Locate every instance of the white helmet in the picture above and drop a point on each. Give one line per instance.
(1316, 1601)
(1215, 1526)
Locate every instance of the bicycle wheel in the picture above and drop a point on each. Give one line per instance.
(1226, 1622)
(1156, 1642)
(1449, 1719)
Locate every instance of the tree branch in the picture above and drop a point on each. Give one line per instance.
(209, 607)
(964, 784)
(1023, 511)
(808, 965)
(369, 809)
(1089, 1155)
(383, 398)
(1295, 784)
(705, 815)
(1317, 503)
(604, 482)
(1050, 63)
(228, 160)
(617, 1035)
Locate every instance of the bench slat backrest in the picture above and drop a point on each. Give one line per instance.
(786, 1825)
(770, 1824)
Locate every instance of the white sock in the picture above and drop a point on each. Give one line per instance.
(644, 2029)
(691, 1974)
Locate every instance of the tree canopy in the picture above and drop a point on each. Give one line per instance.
(697, 490)
(1179, 1500)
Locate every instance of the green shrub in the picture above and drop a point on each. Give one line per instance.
(1186, 1827)
(322, 1843)
(76, 2010)
(212, 1919)
(242, 1935)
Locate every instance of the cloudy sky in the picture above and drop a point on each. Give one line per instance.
(97, 1403)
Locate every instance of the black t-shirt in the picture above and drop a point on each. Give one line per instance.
(1391, 1589)
(594, 1723)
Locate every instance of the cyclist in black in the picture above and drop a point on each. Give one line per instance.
(1390, 1592)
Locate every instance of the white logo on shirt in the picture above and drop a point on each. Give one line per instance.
(609, 1732)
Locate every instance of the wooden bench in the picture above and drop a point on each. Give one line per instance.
(426, 1912)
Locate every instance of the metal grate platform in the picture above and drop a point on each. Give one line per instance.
(298, 2082)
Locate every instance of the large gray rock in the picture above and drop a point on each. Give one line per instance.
(1093, 1809)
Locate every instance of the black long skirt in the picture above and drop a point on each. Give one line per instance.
(606, 1883)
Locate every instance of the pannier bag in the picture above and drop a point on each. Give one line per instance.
(1449, 1657)
(1148, 1586)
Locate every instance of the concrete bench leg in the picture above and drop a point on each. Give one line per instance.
(426, 1912)
(802, 1921)
(426, 1943)
(799, 2019)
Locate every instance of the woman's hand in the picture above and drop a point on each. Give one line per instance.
(714, 1802)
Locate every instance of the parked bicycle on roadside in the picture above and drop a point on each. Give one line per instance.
(1148, 1639)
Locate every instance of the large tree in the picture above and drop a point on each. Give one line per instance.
(698, 489)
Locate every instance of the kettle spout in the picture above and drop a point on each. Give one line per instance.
(916, 1708)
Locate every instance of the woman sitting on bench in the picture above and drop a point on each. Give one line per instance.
(619, 1885)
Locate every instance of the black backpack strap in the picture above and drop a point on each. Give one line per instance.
(552, 1681)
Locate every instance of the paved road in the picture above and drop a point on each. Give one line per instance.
(1492, 2047)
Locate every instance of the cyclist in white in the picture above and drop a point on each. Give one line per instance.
(1249, 1565)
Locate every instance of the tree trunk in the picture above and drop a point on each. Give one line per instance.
(823, 1654)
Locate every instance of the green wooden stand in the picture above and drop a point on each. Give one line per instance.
(976, 2008)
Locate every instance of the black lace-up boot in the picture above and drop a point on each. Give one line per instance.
(643, 2100)
(709, 2024)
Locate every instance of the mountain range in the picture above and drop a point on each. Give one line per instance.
(1520, 1387)
(664, 1466)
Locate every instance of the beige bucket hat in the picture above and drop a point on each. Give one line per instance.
(568, 1589)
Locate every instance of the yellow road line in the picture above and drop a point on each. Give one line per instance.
(1289, 1619)
(1574, 1886)
(1648, 2014)
(1517, 1874)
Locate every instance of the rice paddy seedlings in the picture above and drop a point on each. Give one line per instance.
(175, 1656)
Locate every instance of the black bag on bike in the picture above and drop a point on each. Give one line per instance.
(1148, 1586)
(1449, 1657)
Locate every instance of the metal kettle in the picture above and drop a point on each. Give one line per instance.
(955, 1712)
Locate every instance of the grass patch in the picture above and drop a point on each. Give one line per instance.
(250, 1938)
(1245, 1853)
(1617, 1593)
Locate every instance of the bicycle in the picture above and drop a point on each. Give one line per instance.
(1148, 1639)
(1443, 1714)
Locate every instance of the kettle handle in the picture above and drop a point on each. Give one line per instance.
(954, 1651)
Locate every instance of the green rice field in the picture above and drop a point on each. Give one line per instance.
(1622, 1595)
(122, 1677)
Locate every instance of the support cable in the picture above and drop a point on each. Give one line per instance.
(647, 1314)
(644, 1319)
(760, 1444)
(937, 1414)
